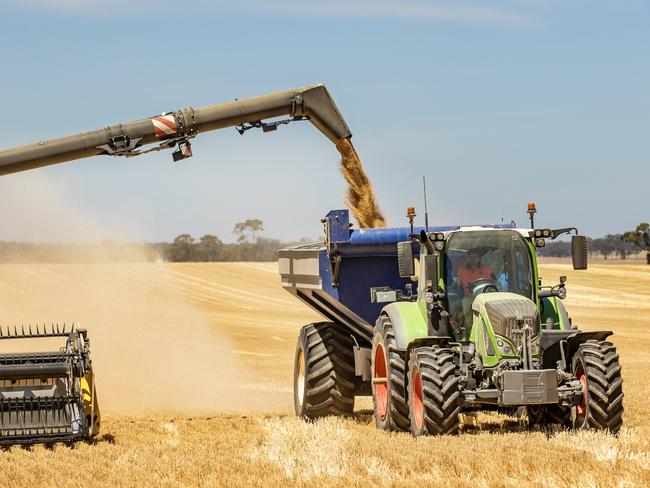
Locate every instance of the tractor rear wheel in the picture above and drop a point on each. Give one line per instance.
(323, 380)
(388, 379)
(597, 366)
(434, 394)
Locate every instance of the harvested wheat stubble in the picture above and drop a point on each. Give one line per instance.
(173, 445)
(360, 194)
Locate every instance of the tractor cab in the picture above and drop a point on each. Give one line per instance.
(481, 261)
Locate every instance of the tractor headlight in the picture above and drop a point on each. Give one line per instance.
(504, 347)
(534, 347)
(439, 245)
(561, 292)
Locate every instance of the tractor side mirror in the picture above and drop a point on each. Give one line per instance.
(405, 260)
(579, 252)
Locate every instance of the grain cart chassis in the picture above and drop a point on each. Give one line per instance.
(430, 340)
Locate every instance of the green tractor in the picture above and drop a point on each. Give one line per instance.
(456, 321)
(483, 333)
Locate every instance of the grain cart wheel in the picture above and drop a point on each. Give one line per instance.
(323, 378)
(388, 379)
(434, 394)
(596, 365)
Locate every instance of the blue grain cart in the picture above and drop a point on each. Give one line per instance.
(432, 322)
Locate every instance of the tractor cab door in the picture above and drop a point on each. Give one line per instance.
(479, 261)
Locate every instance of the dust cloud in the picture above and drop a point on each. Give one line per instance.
(153, 348)
(360, 194)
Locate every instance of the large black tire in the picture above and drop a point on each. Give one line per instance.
(434, 392)
(323, 379)
(596, 364)
(388, 379)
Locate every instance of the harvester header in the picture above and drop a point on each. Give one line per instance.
(47, 396)
(171, 130)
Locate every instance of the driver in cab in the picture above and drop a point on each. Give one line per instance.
(473, 271)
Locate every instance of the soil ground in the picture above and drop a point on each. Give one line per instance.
(194, 369)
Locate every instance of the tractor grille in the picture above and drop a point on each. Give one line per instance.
(503, 315)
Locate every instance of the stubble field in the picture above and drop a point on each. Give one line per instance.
(194, 370)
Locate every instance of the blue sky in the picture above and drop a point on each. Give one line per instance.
(496, 102)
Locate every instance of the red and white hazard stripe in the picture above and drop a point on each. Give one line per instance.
(164, 125)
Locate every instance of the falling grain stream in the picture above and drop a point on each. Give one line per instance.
(360, 194)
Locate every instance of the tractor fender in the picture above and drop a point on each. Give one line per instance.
(408, 322)
(425, 342)
(574, 340)
(558, 342)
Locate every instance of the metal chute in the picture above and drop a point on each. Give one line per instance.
(175, 129)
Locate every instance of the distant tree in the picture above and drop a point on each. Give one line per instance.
(182, 249)
(557, 249)
(607, 245)
(209, 248)
(640, 237)
(247, 231)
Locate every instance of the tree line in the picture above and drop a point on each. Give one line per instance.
(612, 245)
(251, 246)
(248, 246)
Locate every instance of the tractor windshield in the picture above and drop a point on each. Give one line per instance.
(494, 258)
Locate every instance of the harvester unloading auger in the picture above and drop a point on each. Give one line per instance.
(51, 396)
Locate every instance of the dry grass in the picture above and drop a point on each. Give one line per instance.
(245, 346)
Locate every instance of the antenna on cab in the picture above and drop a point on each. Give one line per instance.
(426, 212)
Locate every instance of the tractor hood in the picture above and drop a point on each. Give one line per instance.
(502, 309)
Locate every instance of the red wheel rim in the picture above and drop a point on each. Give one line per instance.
(418, 404)
(380, 381)
(581, 408)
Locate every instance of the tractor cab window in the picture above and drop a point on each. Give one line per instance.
(481, 261)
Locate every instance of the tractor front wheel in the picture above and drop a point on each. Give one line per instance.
(596, 365)
(324, 381)
(434, 394)
(388, 379)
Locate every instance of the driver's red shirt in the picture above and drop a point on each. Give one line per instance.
(468, 275)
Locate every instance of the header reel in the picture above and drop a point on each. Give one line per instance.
(47, 396)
